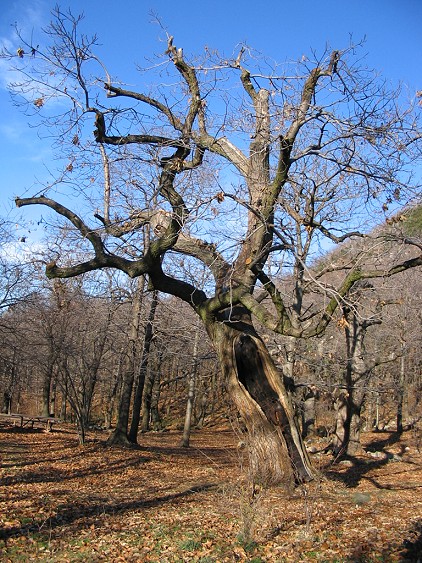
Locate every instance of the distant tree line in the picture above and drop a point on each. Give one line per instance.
(68, 346)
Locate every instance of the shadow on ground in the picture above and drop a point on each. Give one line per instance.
(412, 546)
(358, 468)
(93, 508)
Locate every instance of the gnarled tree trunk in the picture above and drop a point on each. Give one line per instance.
(276, 450)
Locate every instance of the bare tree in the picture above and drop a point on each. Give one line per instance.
(358, 371)
(278, 143)
(18, 289)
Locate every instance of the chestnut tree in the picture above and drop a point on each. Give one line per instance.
(238, 164)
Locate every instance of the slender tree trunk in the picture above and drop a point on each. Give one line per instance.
(53, 397)
(155, 398)
(308, 413)
(150, 388)
(46, 392)
(81, 429)
(191, 394)
(119, 435)
(400, 393)
(7, 402)
(275, 447)
(377, 412)
(91, 376)
(151, 395)
(87, 397)
(188, 415)
(64, 392)
(63, 409)
(111, 396)
(146, 402)
(137, 403)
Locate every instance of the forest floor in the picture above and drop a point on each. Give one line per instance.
(62, 502)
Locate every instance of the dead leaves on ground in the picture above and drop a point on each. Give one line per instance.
(61, 502)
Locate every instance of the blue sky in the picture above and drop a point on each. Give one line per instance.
(283, 30)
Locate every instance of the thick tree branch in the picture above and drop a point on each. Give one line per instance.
(207, 254)
(85, 231)
(138, 139)
(245, 78)
(102, 259)
(179, 288)
(189, 75)
(276, 297)
(223, 147)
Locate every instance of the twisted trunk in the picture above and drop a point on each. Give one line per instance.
(275, 447)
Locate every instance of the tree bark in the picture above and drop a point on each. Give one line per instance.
(46, 392)
(308, 412)
(191, 394)
(340, 438)
(80, 424)
(64, 393)
(346, 440)
(276, 451)
(137, 403)
(150, 396)
(354, 446)
(120, 435)
(400, 392)
(155, 397)
(111, 396)
(7, 402)
(150, 415)
(145, 412)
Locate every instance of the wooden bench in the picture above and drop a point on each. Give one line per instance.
(28, 421)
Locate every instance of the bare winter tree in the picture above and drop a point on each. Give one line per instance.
(16, 292)
(218, 166)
